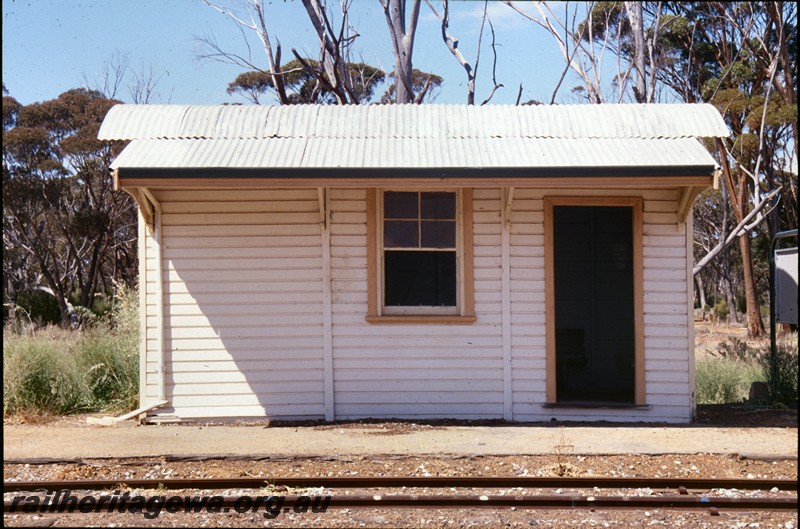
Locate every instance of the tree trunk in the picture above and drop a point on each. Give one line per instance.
(330, 56)
(636, 19)
(730, 297)
(402, 45)
(701, 292)
(755, 325)
(787, 90)
(725, 264)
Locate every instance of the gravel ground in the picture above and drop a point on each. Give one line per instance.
(563, 461)
(700, 465)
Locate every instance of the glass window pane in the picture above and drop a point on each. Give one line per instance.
(438, 234)
(419, 279)
(438, 206)
(400, 234)
(400, 205)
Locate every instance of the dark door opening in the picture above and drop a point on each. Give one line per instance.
(594, 304)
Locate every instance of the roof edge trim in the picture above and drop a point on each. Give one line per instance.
(399, 174)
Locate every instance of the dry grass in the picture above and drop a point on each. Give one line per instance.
(51, 370)
(708, 336)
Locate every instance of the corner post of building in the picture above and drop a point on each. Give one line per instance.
(142, 255)
(692, 369)
(323, 195)
(156, 229)
(507, 197)
(149, 216)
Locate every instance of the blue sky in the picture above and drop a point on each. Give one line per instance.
(50, 46)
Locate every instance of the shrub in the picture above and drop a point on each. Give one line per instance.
(39, 307)
(736, 349)
(57, 371)
(721, 380)
(721, 310)
(40, 375)
(783, 386)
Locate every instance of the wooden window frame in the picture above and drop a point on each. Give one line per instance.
(637, 208)
(465, 296)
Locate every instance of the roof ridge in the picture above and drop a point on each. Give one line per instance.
(666, 120)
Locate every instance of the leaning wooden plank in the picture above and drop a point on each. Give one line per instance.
(112, 421)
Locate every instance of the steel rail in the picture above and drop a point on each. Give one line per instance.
(494, 501)
(357, 482)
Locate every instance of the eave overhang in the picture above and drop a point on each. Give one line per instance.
(572, 177)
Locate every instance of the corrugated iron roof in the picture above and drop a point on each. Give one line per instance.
(412, 136)
(126, 122)
(411, 153)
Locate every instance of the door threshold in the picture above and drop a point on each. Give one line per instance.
(595, 405)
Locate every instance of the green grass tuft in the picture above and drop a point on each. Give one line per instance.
(56, 371)
(722, 380)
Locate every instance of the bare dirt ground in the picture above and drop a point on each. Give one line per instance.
(708, 335)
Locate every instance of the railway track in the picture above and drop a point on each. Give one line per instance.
(676, 493)
(358, 482)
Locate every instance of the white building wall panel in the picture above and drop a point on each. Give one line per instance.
(244, 322)
(242, 294)
(412, 371)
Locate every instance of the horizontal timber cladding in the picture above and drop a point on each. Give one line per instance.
(245, 317)
(243, 303)
(406, 370)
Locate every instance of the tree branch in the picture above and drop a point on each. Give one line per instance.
(452, 44)
(494, 66)
(739, 230)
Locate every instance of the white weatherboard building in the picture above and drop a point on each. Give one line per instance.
(334, 262)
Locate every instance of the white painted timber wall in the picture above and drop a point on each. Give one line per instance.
(243, 298)
(244, 304)
(383, 370)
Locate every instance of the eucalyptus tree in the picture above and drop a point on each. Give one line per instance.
(331, 71)
(301, 86)
(424, 84)
(66, 230)
(452, 43)
(736, 56)
(335, 76)
(402, 24)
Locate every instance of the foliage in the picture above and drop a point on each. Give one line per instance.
(783, 385)
(39, 307)
(713, 220)
(739, 57)
(419, 80)
(721, 310)
(66, 231)
(58, 371)
(721, 380)
(735, 349)
(302, 84)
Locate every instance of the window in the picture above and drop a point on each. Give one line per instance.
(422, 261)
(419, 249)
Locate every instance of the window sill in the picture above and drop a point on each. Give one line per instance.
(423, 319)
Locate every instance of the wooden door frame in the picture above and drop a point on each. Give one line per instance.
(636, 205)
